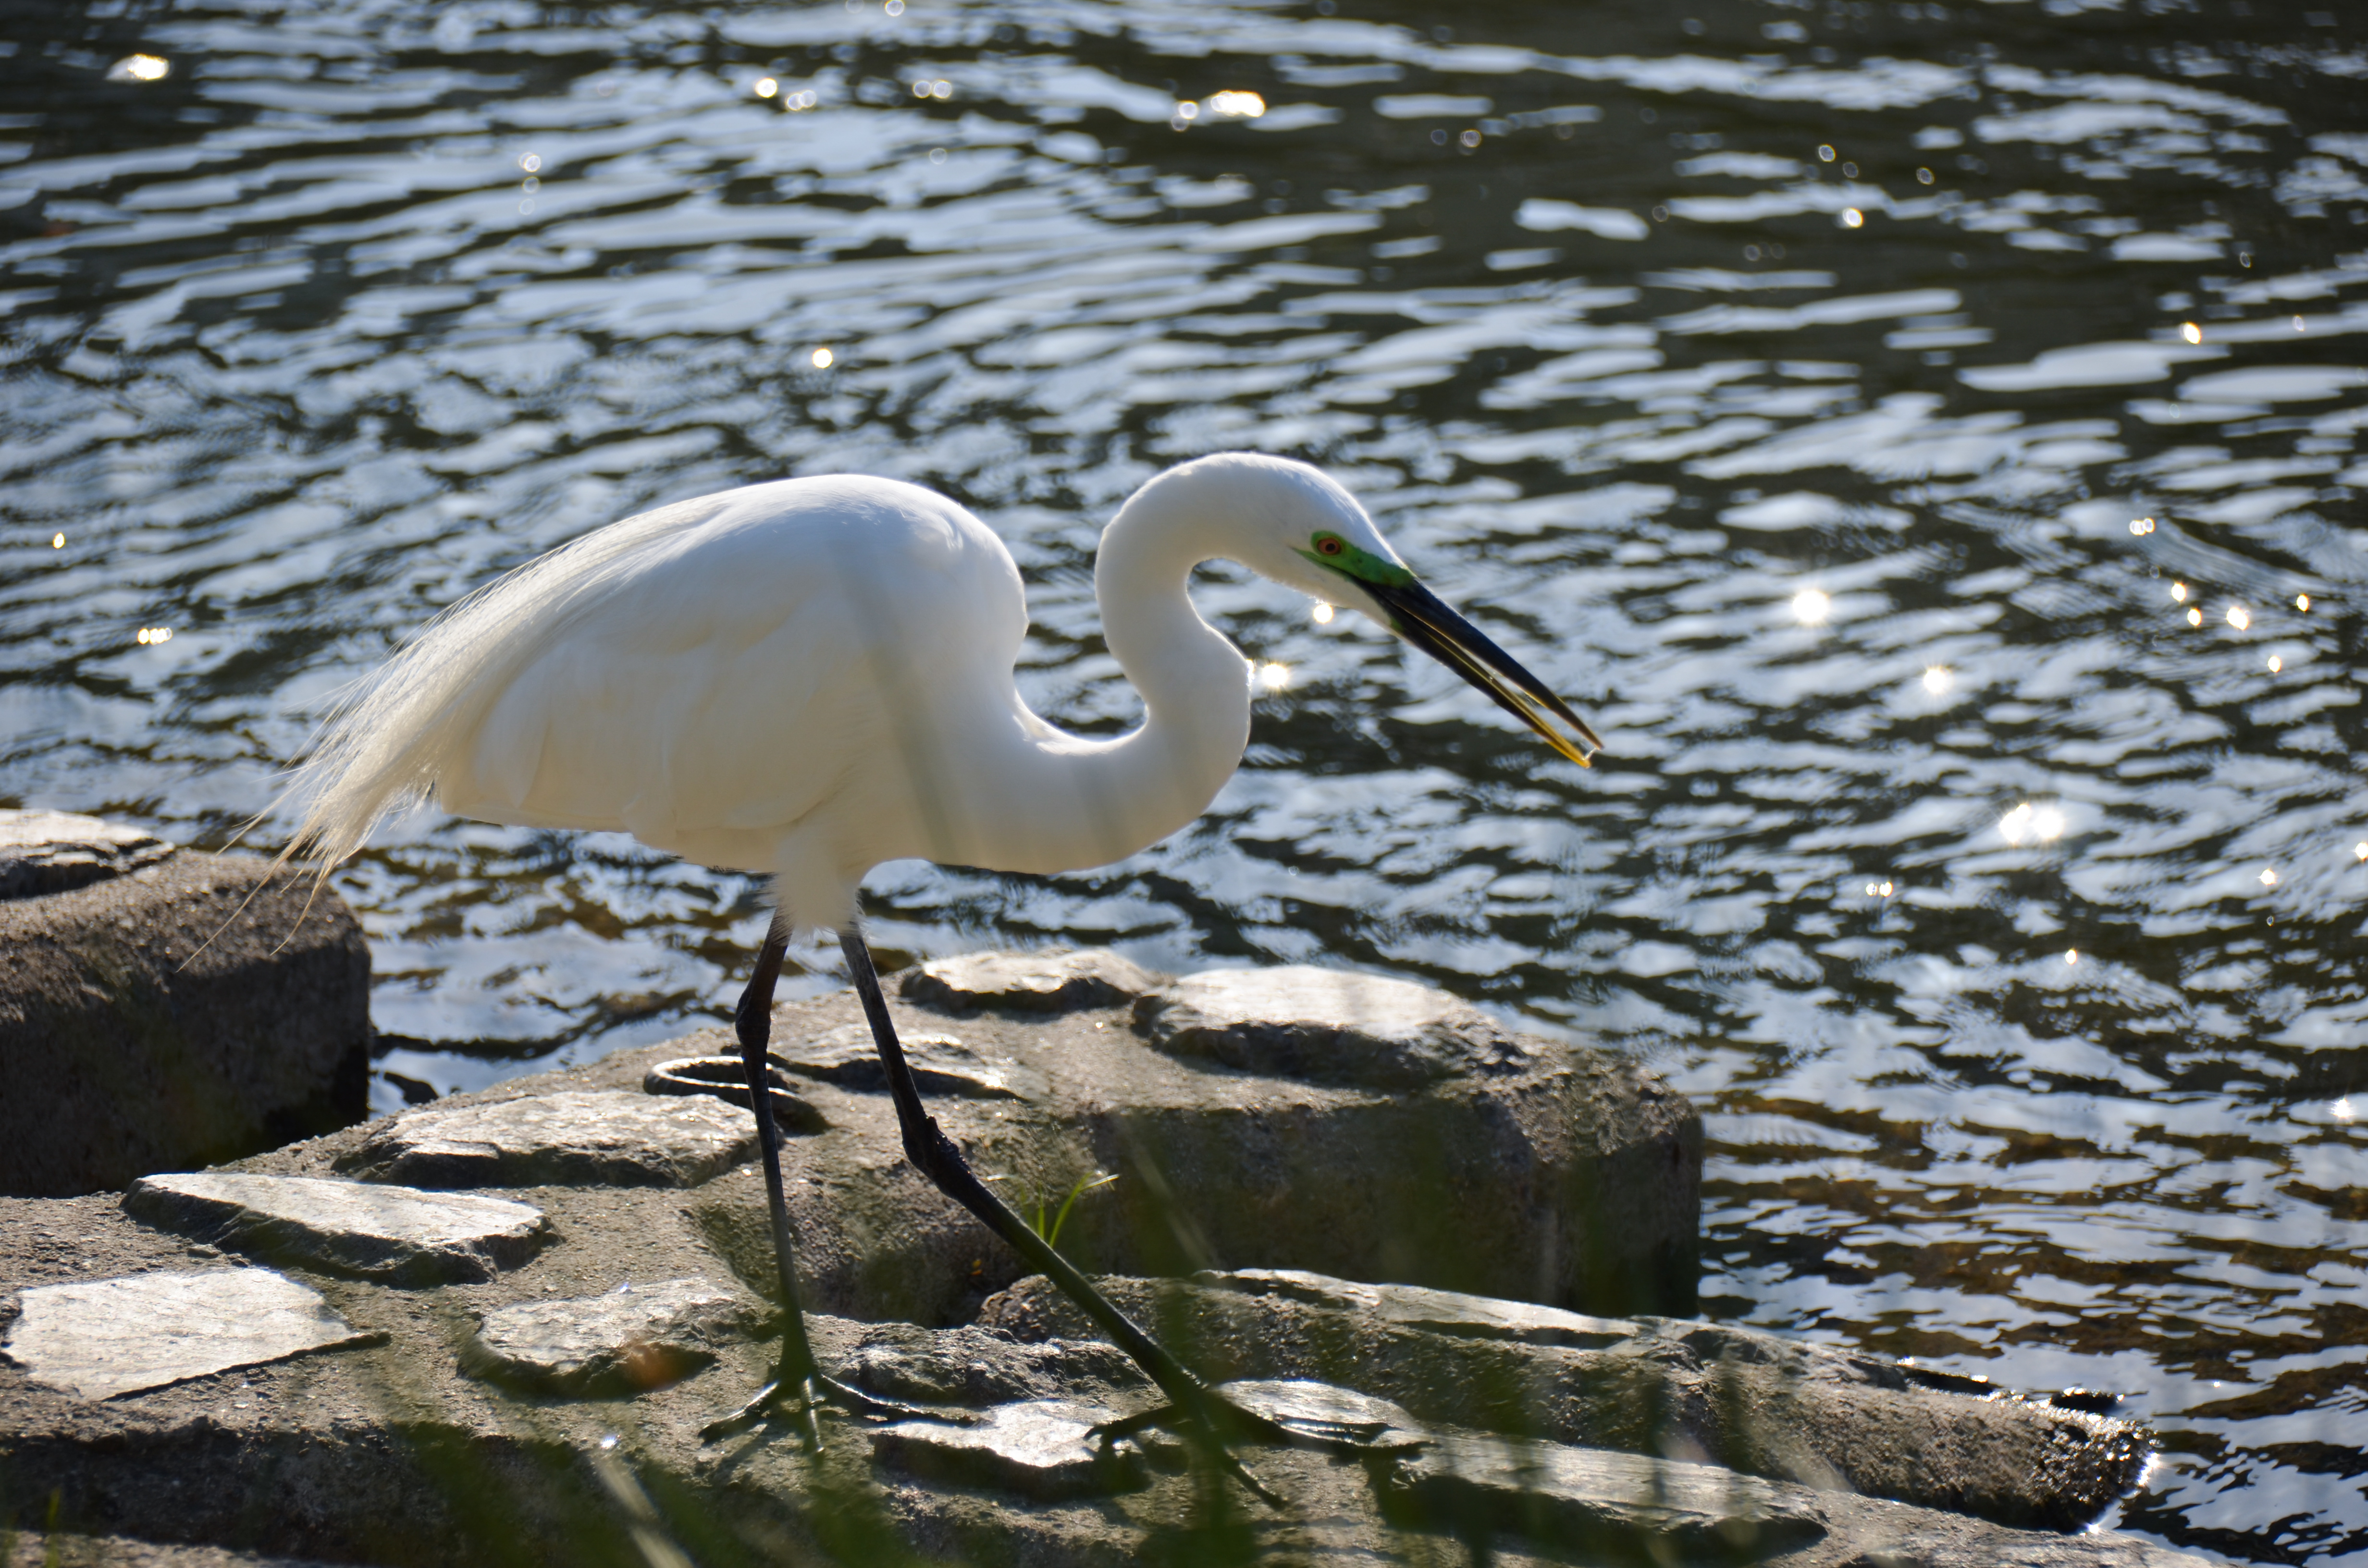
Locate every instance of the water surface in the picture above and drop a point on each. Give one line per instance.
(1926, 439)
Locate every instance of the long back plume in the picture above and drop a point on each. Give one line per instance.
(386, 745)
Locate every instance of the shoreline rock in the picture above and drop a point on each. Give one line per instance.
(162, 1008)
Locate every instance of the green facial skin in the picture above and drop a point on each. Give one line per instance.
(1358, 565)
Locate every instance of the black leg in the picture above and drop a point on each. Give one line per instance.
(798, 1382)
(1204, 1413)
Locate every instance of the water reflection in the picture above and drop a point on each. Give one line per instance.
(343, 312)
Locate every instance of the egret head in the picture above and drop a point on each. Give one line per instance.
(1299, 528)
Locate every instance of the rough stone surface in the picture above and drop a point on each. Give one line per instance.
(942, 1065)
(37, 1549)
(571, 1137)
(389, 1453)
(724, 1078)
(1327, 1026)
(1029, 982)
(47, 852)
(104, 1337)
(631, 1339)
(164, 1009)
(1045, 1450)
(1327, 1409)
(1757, 1403)
(1599, 1503)
(396, 1234)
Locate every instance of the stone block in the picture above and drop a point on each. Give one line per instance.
(635, 1338)
(162, 1008)
(1754, 1403)
(398, 1234)
(573, 1137)
(1601, 1505)
(1045, 1450)
(1327, 1026)
(103, 1337)
(1028, 982)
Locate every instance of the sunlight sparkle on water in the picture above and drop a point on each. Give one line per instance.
(2276, 663)
(57, 541)
(2072, 955)
(1322, 613)
(138, 68)
(1937, 679)
(1810, 606)
(1274, 677)
(2302, 603)
(2028, 823)
(2191, 331)
(2178, 592)
(766, 86)
(1234, 104)
(2141, 525)
(824, 359)
(2341, 1109)
(2269, 875)
(2194, 617)
(2239, 617)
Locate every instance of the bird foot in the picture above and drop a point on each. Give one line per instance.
(798, 1398)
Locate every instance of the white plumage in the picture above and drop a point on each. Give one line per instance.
(811, 677)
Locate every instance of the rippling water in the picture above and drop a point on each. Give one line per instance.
(1925, 438)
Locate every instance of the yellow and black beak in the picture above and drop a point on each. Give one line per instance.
(1424, 619)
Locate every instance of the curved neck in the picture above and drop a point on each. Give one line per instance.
(1087, 802)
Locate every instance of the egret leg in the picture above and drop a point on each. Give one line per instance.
(798, 1382)
(1203, 1412)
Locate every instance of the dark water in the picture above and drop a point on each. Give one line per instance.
(1784, 382)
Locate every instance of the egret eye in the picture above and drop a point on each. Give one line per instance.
(1328, 544)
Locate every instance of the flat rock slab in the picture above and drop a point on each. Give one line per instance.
(1327, 1410)
(847, 1058)
(635, 1338)
(1599, 1503)
(1326, 1025)
(397, 1234)
(1045, 1450)
(1029, 982)
(47, 852)
(1763, 1404)
(105, 1337)
(608, 1137)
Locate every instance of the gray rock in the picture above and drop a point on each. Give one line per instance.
(47, 852)
(1029, 982)
(635, 1338)
(1756, 1403)
(608, 1137)
(1327, 1026)
(394, 1234)
(104, 1337)
(978, 1367)
(847, 1058)
(1327, 1410)
(164, 1008)
(1599, 1503)
(725, 1079)
(1046, 1451)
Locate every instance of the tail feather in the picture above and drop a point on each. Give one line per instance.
(396, 736)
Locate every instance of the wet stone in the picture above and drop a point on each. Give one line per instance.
(1326, 1025)
(846, 1057)
(634, 1338)
(1596, 1502)
(1043, 1449)
(1325, 1410)
(51, 852)
(607, 1138)
(1029, 982)
(396, 1234)
(103, 1337)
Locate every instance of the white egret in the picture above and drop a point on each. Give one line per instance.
(808, 678)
